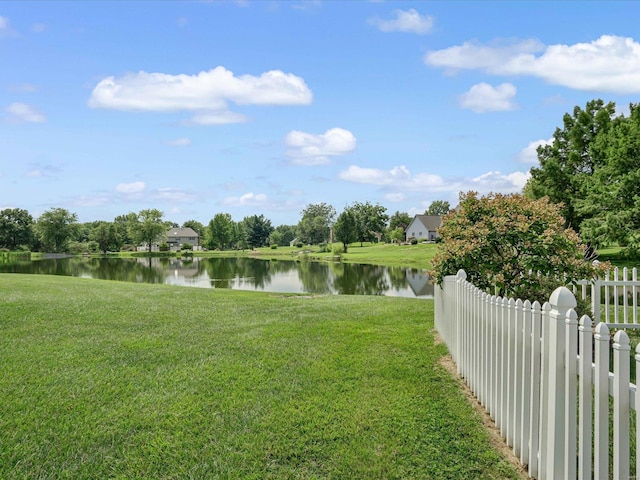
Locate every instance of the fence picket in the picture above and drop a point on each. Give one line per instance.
(585, 396)
(527, 365)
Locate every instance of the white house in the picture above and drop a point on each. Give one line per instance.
(423, 228)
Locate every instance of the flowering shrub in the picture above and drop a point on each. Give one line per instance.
(515, 245)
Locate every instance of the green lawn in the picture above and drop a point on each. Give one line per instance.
(104, 380)
(387, 254)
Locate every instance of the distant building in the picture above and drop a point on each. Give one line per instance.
(423, 228)
(176, 237)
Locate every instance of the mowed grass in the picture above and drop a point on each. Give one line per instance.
(103, 379)
(387, 254)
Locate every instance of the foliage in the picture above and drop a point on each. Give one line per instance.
(164, 247)
(195, 226)
(345, 228)
(55, 228)
(315, 224)
(438, 207)
(517, 245)
(568, 164)
(220, 232)
(371, 221)
(612, 202)
(399, 220)
(149, 227)
(16, 228)
(258, 229)
(397, 235)
(105, 234)
(283, 235)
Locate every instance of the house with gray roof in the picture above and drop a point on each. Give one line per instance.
(176, 237)
(423, 228)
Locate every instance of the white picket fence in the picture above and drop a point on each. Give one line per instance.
(544, 377)
(614, 298)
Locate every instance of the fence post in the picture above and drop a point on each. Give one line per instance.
(460, 277)
(561, 300)
(621, 358)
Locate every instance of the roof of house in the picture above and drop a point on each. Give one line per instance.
(432, 222)
(182, 232)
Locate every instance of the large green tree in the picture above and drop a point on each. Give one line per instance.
(258, 229)
(105, 234)
(55, 228)
(508, 242)
(220, 232)
(399, 220)
(371, 221)
(438, 207)
(16, 228)
(315, 225)
(150, 227)
(568, 163)
(611, 206)
(346, 228)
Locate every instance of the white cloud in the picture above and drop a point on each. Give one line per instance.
(131, 188)
(498, 182)
(23, 113)
(174, 195)
(396, 177)
(41, 170)
(206, 93)
(409, 21)
(4, 23)
(179, 142)
(487, 98)
(38, 27)
(610, 63)
(248, 199)
(399, 181)
(311, 149)
(182, 22)
(395, 197)
(529, 154)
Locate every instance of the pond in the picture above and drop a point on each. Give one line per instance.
(278, 276)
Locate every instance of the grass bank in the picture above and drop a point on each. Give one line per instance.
(103, 379)
(385, 254)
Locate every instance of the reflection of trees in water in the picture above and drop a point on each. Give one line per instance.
(248, 273)
(360, 279)
(315, 277)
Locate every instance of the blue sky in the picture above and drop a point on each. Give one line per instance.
(197, 108)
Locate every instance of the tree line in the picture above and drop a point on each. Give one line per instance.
(58, 230)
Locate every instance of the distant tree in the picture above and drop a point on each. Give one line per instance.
(16, 228)
(125, 226)
(258, 230)
(56, 227)
(150, 227)
(370, 220)
(315, 224)
(286, 233)
(438, 207)
(240, 238)
(517, 245)
(220, 232)
(397, 235)
(195, 226)
(346, 229)
(105, 235)
(399, 219)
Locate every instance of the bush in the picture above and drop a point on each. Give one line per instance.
(337, 249)
(186, 246)
(274, 246)
(413, 241)
(517, 245)
(299, 245)
(164, 247)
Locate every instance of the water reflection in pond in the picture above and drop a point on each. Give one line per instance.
(282, 276)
